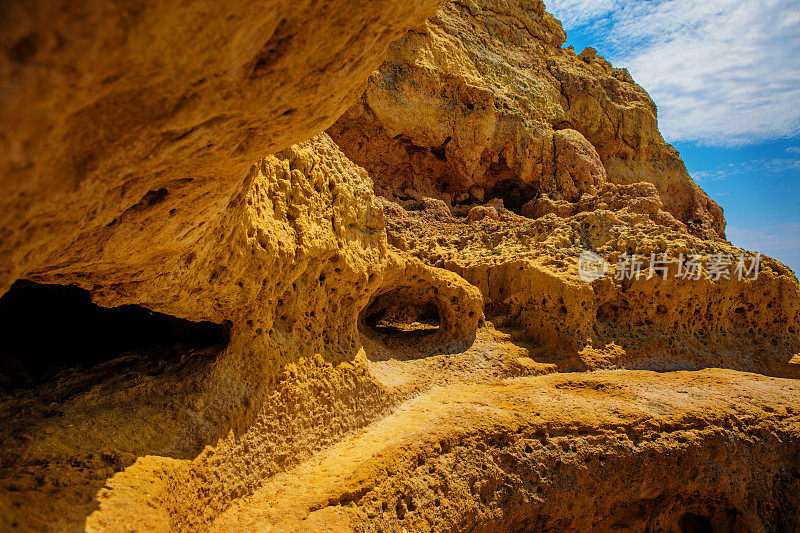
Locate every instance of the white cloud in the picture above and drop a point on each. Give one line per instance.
(793, 149)
(722, 72)
(781, 241)
(762, 167)
(575, 13)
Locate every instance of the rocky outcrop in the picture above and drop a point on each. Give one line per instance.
(571, 144)
(382, 327)
(295, 257)
(485, 103)
(611, 450)
(412, 293)
(127, 146)
(528, 273)
(126, 129)
(293, 267)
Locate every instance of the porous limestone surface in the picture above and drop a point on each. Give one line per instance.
(485, 103)
(393, 257)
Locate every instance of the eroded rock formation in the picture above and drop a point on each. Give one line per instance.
(381, 327)
(527, 271)
(485, 103)
(126, 128)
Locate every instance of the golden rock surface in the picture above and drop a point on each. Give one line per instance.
(486, 102)
(408, 342)
(126, 127)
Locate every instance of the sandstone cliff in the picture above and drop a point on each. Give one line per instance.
(127, 128)
(485, 110)
(358, 297)
(486, 104)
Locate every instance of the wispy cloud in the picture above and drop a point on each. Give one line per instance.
(723, 72)
(781, 241)
(761, 167)
(574, 14)
(793, 149)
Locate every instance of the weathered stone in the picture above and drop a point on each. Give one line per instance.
(425, 358)
(479, 212)
(124, 129)
(444, 115)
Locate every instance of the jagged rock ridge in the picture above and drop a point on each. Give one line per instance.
(485, 103)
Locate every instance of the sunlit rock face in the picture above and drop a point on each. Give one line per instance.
(127, 128)
(257, 284)
(485, 103)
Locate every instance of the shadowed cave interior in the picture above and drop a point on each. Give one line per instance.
(394, 314)
(50, 328)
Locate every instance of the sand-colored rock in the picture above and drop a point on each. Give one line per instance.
(412, 288)
(610, 450)
(480, 212)
(294, 259)
(578, 169)
(125, 128)
(486, 99)
(426, 358)
(527, 271)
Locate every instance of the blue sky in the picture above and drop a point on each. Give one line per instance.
(725, 75)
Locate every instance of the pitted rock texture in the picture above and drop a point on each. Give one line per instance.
(290, 264)
(409, 287)
(295, 259)
(527, 271)
(124, 128)
(426, 358)
(485, 103)
(630, 451)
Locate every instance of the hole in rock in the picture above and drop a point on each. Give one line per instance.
(514, 193)
(694, 523)
(394, 314)
(50, 328)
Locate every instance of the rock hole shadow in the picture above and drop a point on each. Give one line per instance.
(87, 390)
(406, 323)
